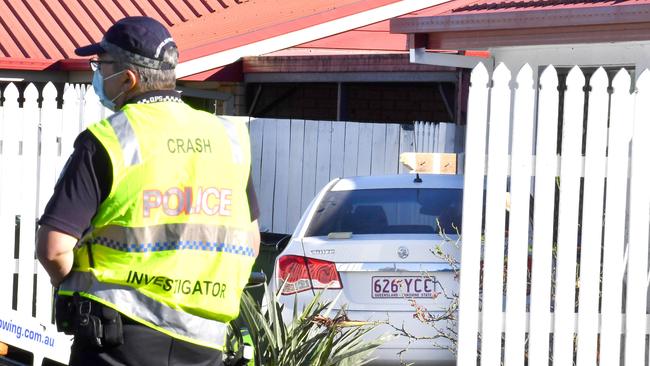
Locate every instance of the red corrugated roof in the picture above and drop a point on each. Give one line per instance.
(376, 37)
(44, 33)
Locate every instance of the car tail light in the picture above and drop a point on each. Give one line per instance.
(299, 274)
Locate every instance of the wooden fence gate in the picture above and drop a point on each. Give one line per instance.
(573, 158)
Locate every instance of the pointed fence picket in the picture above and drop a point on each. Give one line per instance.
(522, 133)
(637, 265)
(567, 231)
(27, 124)
(8, 189)
(620, 134)
(584, 308)
(8, 169)
(468, 321)
(592, 219)
(47, 175)
(495, 205)
(544, 193)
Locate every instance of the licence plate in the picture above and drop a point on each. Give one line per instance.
(400, 286)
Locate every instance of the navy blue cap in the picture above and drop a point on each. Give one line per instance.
(139, 40)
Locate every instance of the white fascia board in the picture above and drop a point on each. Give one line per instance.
(420, 56)
(291, 39)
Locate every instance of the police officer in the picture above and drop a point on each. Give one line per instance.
(151, 232)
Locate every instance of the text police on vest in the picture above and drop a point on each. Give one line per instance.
(188, 200)
(196, 145)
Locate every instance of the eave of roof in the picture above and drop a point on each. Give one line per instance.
(572, 22)
(33, 64)
(394, 62)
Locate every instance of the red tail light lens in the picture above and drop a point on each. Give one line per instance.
(301, 273)
(293, 274)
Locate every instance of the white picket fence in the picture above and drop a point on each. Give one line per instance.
(600, 257)
(289, 156)
(35, 142)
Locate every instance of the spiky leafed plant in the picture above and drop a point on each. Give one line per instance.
(313, 338)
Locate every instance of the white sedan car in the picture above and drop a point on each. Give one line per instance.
(371, 241)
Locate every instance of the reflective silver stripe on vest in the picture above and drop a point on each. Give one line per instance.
(126, 137)
(165, 237)
(140, 307)
(233, 135)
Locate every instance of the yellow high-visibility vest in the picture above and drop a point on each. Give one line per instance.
(171, 246)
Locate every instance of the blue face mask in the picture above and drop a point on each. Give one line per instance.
(98, 86)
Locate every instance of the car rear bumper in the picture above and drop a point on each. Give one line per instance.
(421, 352)
(386, 357)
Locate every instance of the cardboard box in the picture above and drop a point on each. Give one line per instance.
(429, 163)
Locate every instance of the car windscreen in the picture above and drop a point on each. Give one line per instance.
(389, 211)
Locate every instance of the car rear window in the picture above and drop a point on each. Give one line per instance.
(389, 211)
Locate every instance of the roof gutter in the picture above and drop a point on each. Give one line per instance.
(302, 36)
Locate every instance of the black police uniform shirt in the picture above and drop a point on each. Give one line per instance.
(87, 178)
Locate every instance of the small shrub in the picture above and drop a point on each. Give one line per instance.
(313, 338)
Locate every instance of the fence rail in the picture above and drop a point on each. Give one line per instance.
(578, 153)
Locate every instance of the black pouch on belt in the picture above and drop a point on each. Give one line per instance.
(87, 326)
(112, 326)
(64, 314)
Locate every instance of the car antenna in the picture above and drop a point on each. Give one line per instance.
(415, 142)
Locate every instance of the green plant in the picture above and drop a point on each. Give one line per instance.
(312, 338)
